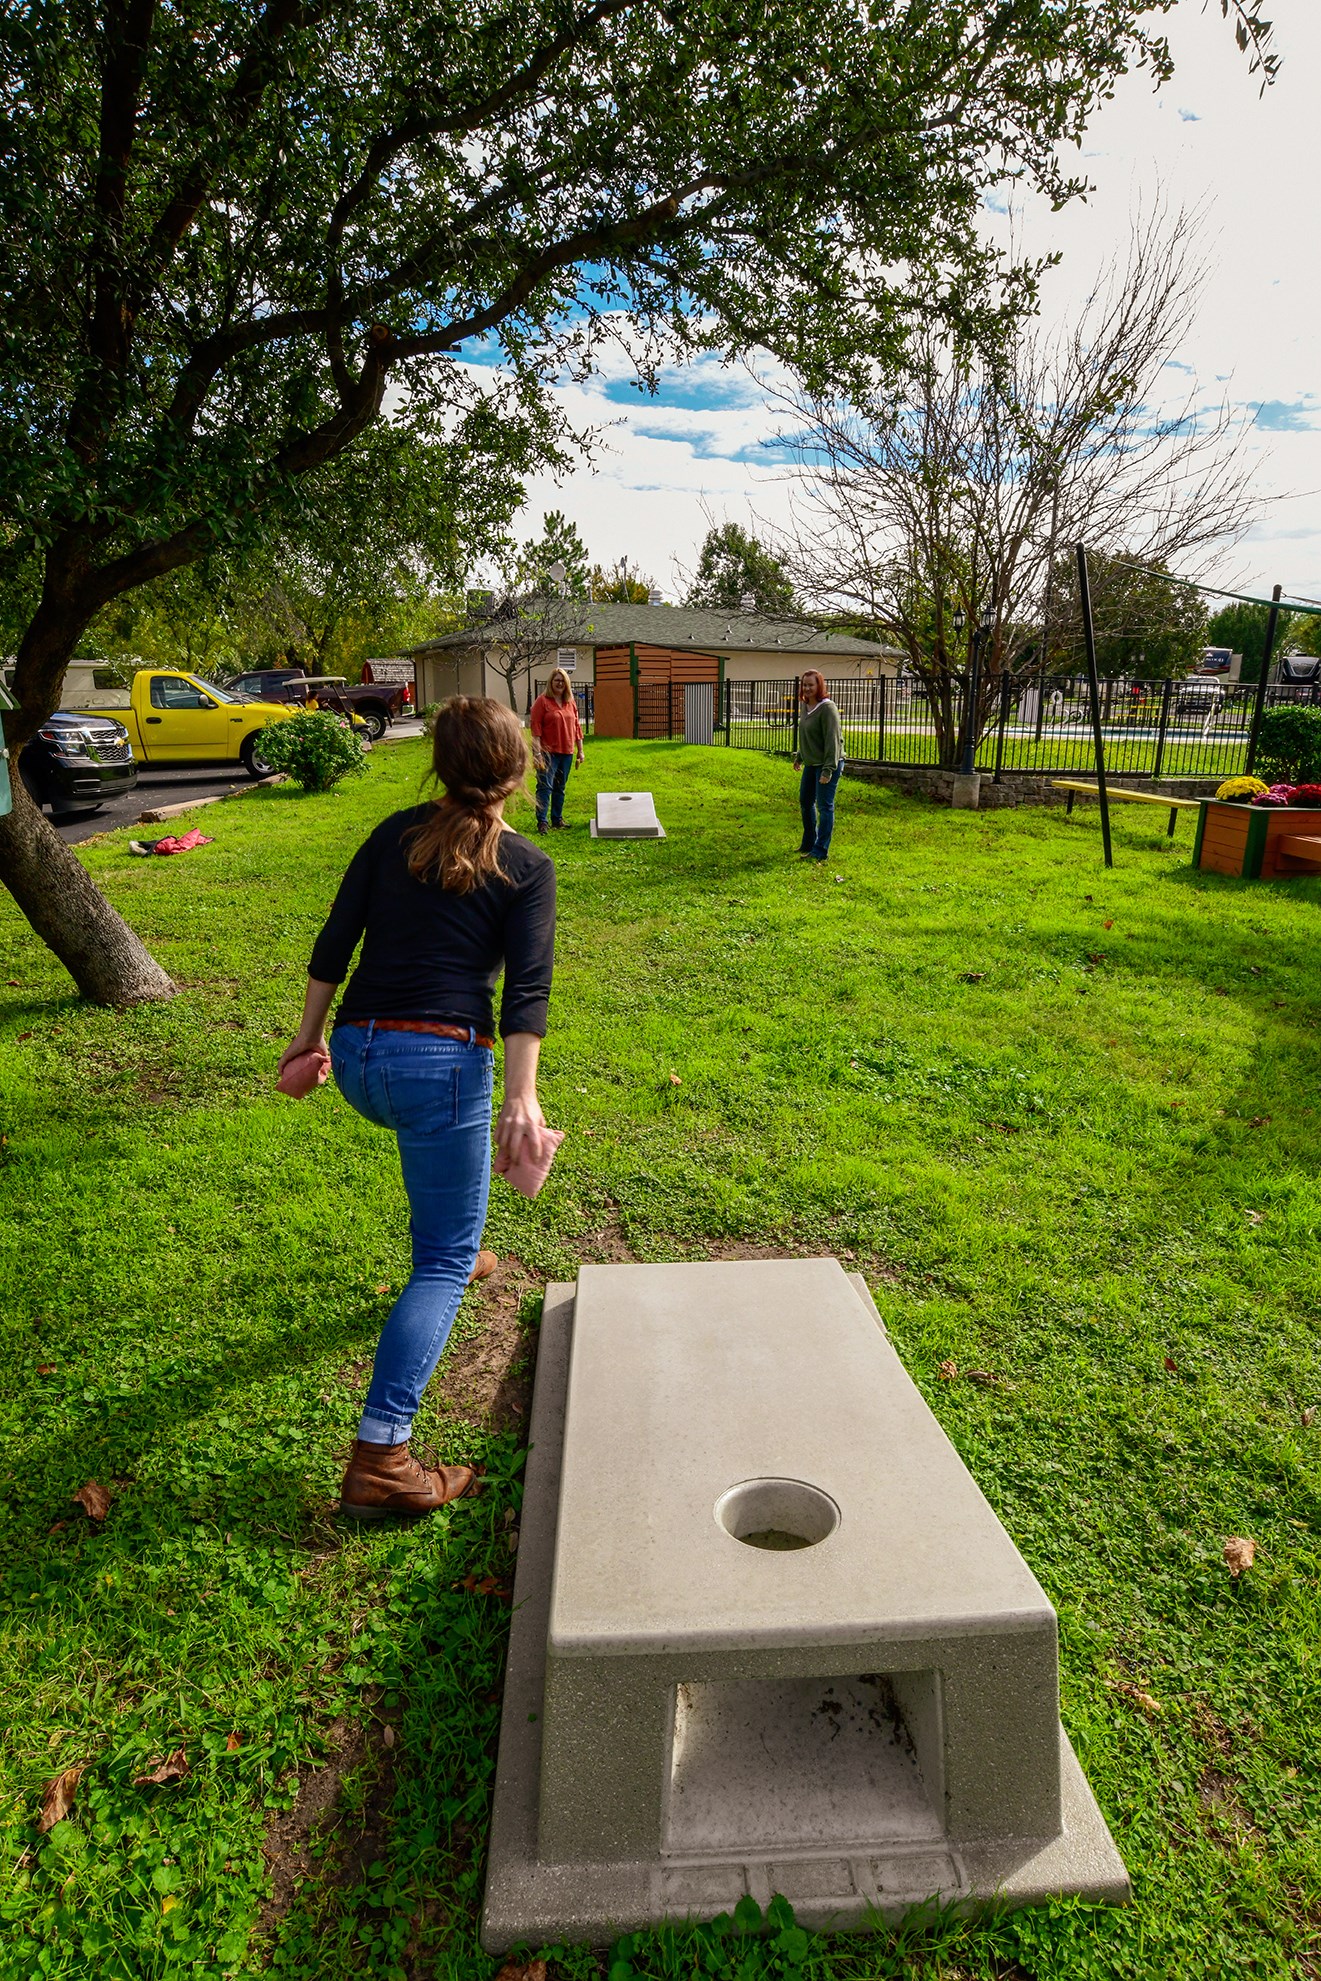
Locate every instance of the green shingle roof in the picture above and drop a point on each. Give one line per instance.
(610, 625)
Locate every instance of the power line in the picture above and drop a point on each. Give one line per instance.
(1308, 606)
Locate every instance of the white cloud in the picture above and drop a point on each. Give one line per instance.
(1245, 162)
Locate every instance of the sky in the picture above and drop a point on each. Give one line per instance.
(669, 467)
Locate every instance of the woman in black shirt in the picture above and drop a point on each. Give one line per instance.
(442, 897)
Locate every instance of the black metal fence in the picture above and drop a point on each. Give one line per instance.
(1196, 727)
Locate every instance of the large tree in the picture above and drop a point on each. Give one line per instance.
(230, 231)
(1146, 624)
(736, 572)
(954, 494)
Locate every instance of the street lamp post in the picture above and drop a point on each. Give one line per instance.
(984, 626)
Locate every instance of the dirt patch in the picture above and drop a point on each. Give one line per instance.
(358, 1835)
(486, 1378)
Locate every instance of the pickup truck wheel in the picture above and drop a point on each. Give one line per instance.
(251, 758)
(375, 721)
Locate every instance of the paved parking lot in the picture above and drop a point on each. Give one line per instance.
(177, 786)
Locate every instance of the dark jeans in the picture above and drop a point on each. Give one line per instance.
(551, 780)
(817, 803)
(436, 1095)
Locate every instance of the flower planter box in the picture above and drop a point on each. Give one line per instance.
(1258, 842)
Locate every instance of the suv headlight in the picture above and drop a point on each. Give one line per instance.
(67, 742)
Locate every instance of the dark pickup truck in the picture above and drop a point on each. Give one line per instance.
(376, 702)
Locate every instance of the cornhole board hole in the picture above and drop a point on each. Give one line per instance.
(626, 815)
(767, 1634)
(1258, 842)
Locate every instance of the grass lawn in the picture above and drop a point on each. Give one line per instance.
(1065, 1121)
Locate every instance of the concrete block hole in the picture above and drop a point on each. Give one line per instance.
(777, 1514)
(804, 1764)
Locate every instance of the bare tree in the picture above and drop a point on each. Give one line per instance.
(956, 494)
(524, 632)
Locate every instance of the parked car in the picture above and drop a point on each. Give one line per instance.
(75, 762)
(376, 702)
(172, 717)
(1197, 696)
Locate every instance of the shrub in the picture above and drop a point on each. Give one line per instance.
(315, 749)
(1289, 745)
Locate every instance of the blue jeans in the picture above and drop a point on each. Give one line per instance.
(436, 1095)
(552, 777)
(817, 803)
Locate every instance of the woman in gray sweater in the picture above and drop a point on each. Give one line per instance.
(820, 754)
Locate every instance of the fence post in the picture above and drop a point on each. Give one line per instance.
(880, 720)
(1098, 741)
(795, 727)
(1260, 702)
(1005, 686)
(1166, 697)
(729, 703)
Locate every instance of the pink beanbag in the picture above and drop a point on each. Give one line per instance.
(530, 1171)
(305, 1074)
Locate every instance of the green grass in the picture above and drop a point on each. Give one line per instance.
(1066, 1122)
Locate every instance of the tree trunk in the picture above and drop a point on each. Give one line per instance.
(53, 889)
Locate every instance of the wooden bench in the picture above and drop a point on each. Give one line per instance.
(1301, 846)
(1174, 805)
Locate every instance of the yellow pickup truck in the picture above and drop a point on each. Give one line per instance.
(173, 718)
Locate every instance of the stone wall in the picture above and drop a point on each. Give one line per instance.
(1015, 787)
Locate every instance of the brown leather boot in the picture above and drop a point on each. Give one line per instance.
(484, 1265)
(385, 1480)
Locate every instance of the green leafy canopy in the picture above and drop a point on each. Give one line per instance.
(230, 229)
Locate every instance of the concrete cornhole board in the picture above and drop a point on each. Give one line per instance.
(767, 1634)
(626, 815)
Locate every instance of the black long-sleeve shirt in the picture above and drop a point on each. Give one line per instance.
(427, 953)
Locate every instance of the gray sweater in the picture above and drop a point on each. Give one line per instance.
(820, 736)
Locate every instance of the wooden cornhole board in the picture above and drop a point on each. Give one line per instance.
(1258, 842)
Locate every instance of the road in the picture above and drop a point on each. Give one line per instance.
(178, 787)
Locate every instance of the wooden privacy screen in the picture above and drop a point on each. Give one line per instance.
(1257, 841)
(664, 671)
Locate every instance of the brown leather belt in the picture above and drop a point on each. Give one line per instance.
(463, 1033)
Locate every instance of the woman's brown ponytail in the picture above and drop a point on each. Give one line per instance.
(480, 757)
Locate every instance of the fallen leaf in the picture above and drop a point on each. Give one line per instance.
(233, 1743)
(25, 1035)
(1107, 925)
(172, 1769)
(387, 1736)
(45, 1368)
(57, 1527)
(948, 1371)
(1171, 1365)
(1239, 1555)
(1260, 1121)
(511, 1971)
(58, 1799)
(12, 983)
(1254, 1217)
(1255, 969)
(1087, 897)
(169, 1902)
(1096, 956)
(675, 1081)
(984, 1377)
(93, 1499)
(972, 977)
(512, 1539)
(384, 1289)
(839, 879)
(1308, 1415)
(1140, 1698)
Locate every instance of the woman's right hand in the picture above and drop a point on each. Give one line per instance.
(518, 1129)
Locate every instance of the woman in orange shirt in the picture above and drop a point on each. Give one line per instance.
(557, 740)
